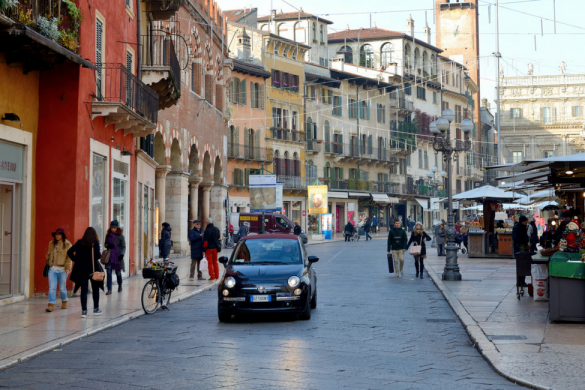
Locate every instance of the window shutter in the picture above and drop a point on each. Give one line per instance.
(339, 109)
(262, 96)
(355, 109)
(252, 95)
(246, 142)
(247, 176)
(334, 105)
(236, 145)
(368, 109)
(554, 115)
(340, 146)
(370, 144)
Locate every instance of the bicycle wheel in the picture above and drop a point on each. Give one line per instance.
(150, 297)
(166, 299)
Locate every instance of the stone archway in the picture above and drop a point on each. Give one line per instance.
(175, 156)
(177, 197)
(217, 171)
(194, 181)
(159, 149)
(218, 193)
(206, 169)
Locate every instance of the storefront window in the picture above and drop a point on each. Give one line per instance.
(98, 195)
(119, 202)
(296, 212)
(313, 223)
(145, 223)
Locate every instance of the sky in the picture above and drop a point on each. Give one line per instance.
(517, 29)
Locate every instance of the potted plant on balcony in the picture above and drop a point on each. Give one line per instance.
(419, 71)
(315, 41)
(426, 74)
(294, 88)
(276, 84)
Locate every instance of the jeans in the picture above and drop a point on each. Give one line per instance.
(347, 237)
(368, 236)
(118, 276)
(440, 249)
(61, 278)
(83, 295)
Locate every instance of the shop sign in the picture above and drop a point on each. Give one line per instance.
(435, 203)
(304, 213)
(317, 199)
(279, 203)
(263, 194)
(11, 157)
(327, 225)
(455, 205)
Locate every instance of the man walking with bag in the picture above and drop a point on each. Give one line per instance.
(397, 244)
(212, 245)
(196, 240)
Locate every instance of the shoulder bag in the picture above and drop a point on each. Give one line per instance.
(96, 276)
(217, 243)
(105, 259)
(415, 249)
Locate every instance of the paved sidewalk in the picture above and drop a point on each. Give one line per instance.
(27, 331)
(532, 351)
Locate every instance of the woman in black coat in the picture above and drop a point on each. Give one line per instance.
(81, 255)
(165, 244)
(419, 236)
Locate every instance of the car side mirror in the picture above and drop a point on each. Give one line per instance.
(313, 259)
(223, 260)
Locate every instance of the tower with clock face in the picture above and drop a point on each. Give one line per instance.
(457, 28)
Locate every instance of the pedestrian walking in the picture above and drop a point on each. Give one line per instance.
(212, 246)
(243, 231)
(391, 222)
(410, 224)
(86, 254)
(348, 231)
(165, 244)
(374, 224)
(419, 237)
(116, 243)
(440, 237)
(367, 227)
(397, 241)
(196, 240)
(520, 242)
(297, 230)
(532, 232)
(59, 268)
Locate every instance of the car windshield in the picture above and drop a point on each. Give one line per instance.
(267, 251)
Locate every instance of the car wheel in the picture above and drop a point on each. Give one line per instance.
(314, 300)
(223, 317)
(306, 315)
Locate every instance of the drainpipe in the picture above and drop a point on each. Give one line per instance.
(138, 53)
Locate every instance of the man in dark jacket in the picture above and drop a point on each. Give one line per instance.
(212, 245)
(397, 244)
(196, 240)
(367, 227)
(164, 244)
(520, 241)
(297, 230)
(242, 231)
(348, 230)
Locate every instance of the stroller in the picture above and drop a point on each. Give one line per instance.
(461, 238)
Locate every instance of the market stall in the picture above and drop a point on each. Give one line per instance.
(481, 234)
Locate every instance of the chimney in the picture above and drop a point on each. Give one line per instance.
(410, 26)
(427, 33)
(485, 103)
(243, 47)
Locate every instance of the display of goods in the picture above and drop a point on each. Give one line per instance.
(540, 281)
(549, 251)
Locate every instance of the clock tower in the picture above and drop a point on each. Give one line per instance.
(458, 36)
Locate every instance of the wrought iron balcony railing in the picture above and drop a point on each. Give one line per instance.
(246, 152)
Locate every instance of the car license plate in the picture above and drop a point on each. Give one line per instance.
(260, 298)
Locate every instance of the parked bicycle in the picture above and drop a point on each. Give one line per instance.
(157, 291)
(228, 242)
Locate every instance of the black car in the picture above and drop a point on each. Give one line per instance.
(268, 273)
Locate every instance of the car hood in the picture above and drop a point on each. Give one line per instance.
(264, 272)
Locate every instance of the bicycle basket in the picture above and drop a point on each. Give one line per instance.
(150, 273)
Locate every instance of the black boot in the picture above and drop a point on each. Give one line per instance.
(120, 288)
(421, 274)
(109, 292)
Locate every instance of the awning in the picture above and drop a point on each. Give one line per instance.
(359, 194)
(393, 200)
(380, 198)
(423, 202)
(337, 195)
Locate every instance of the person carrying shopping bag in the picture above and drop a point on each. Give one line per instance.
(59, 265)
(86, 255)
(212, 245)
(418, 237)
(397, 241)
(116, 244)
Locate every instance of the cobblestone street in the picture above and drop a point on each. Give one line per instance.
(370, 331)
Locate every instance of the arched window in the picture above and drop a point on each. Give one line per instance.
(407, 63)
(314, 32)
(425, 64)
(276, 168)
(296, 165)
(386, 54)
(417, 60)
(347, 54)
(257, 95)
(297, 33)
(367, 56)
(264, 27)
(286, 166)
(321, 34)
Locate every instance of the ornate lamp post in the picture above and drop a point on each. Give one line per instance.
(450, 149)
(435, 183)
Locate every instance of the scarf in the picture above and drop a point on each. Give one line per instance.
(115, 254)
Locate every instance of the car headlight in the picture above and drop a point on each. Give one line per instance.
(294, 281)
(229, 282)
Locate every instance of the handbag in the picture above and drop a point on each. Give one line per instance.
(46, 270)
(390, 263)
(96, 276)
(105, 259)
(415, 249)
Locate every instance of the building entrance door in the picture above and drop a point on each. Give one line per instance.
(8, 257)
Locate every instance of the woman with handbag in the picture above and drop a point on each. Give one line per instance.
(418, 237)
(165, 244)
(116, 244)
(86, 255)
(59, 266)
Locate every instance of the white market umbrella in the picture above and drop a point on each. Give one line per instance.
(486, 192)
(547, 203)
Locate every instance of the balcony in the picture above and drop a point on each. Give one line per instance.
(161, 9)
(124, 100)
(353, 152)
(312, 147)
(384, 187)
(27, 41)
(160, 66)
(237, 179)
(248, 153)
(336, 184)
(292, 182)
(281, 134)
(404, 106)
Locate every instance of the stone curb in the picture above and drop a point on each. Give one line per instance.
(487, 349)
(120, 321)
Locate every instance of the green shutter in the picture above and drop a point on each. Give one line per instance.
(368, 109)
(247, 176)
(341, 173)
(370, 144)
(243, 94)
(252, 95)
(340, 109)
(325, 172)
(334, 104)
(386, 177)
(355, 109)
(262, 96)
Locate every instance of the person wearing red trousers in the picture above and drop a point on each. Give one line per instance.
(211, 243)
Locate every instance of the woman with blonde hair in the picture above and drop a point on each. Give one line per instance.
(59, 268)
(419, 236)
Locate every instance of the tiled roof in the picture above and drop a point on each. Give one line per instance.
(235, 15)
(364, 33)
(292, 15)
(247, 68)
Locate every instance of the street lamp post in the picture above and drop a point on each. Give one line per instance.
(441, 128)
(434, 184)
